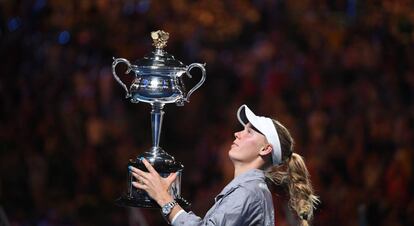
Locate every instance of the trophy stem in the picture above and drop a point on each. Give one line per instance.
(156, 123)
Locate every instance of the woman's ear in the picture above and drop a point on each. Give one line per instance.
(266, 150)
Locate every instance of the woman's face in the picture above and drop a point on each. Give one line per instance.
(247, 145)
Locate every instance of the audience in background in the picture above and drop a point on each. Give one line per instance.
(338, 74)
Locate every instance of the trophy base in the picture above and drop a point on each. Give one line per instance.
(164, 164)
(127, 201)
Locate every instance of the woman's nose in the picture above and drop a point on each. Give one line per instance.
(237, 135)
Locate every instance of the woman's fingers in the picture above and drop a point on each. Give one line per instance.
(138, 171)
(151, 178)
(170, 179)
(142, 176)
(140, 186)
(149, 167)
(135, 175)
(142, 173)
(139, 178)
(141, 183)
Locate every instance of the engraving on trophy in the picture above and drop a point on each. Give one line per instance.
(158, 81)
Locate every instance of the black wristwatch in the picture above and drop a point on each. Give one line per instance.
(166, 209)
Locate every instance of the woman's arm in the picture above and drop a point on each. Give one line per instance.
(238, 207)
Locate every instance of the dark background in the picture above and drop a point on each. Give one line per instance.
(338, 73)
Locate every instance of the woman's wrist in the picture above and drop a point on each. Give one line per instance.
(164, 199)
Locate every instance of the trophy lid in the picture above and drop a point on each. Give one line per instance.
(159, 57)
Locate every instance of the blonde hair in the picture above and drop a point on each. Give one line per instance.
(295, 176)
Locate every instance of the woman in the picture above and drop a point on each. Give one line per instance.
(263, 144)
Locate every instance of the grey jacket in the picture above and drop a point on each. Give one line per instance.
(246, 200)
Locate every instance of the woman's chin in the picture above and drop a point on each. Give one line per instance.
(232, 154)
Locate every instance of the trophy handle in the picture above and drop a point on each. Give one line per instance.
(203, 77)
(117, 61)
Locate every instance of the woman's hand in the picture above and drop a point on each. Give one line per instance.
(151, 182)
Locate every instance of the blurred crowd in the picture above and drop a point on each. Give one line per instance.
(339, 74)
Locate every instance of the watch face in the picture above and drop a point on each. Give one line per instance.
(166, 209)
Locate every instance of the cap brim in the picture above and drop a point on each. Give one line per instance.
(245, 115)
(241, 115)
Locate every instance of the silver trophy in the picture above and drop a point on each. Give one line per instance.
(158, 80)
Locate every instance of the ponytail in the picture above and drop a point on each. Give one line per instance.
(295, 176)
(302, 199)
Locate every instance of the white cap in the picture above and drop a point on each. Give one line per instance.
(266, 126)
